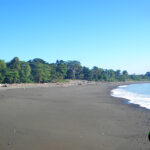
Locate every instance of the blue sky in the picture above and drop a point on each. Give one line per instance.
(105, 33)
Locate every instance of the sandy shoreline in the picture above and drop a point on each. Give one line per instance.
(68, 83)
(57, 84)
(82, 117)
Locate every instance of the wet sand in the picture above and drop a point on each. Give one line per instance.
(82, 117)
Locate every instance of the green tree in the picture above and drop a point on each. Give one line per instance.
(54, 74)
(37, 60)
(14, 64)
(25, 72)
(74, 69)
(11, 76)
(61, 69)
(96, 73)
(40, 72)
(117, 75)
(125, 75)
(86, 73)
(111, 74)
(2, 70)
(104, 76)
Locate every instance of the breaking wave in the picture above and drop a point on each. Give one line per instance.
(135, 93)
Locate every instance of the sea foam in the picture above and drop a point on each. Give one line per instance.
(142, 100)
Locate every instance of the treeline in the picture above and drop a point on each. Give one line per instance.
(40, 71)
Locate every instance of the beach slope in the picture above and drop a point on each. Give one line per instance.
(82, 117)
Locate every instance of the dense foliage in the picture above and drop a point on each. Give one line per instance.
(39, 71)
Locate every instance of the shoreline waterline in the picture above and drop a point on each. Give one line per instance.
(136, 93)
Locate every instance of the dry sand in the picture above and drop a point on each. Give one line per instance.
(82, 117)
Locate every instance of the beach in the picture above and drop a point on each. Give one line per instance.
(75, 117)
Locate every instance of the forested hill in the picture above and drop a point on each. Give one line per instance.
(39, 71)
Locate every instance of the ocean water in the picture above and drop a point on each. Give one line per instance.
(135, 93)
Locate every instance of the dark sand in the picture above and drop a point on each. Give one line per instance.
(71, 118)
